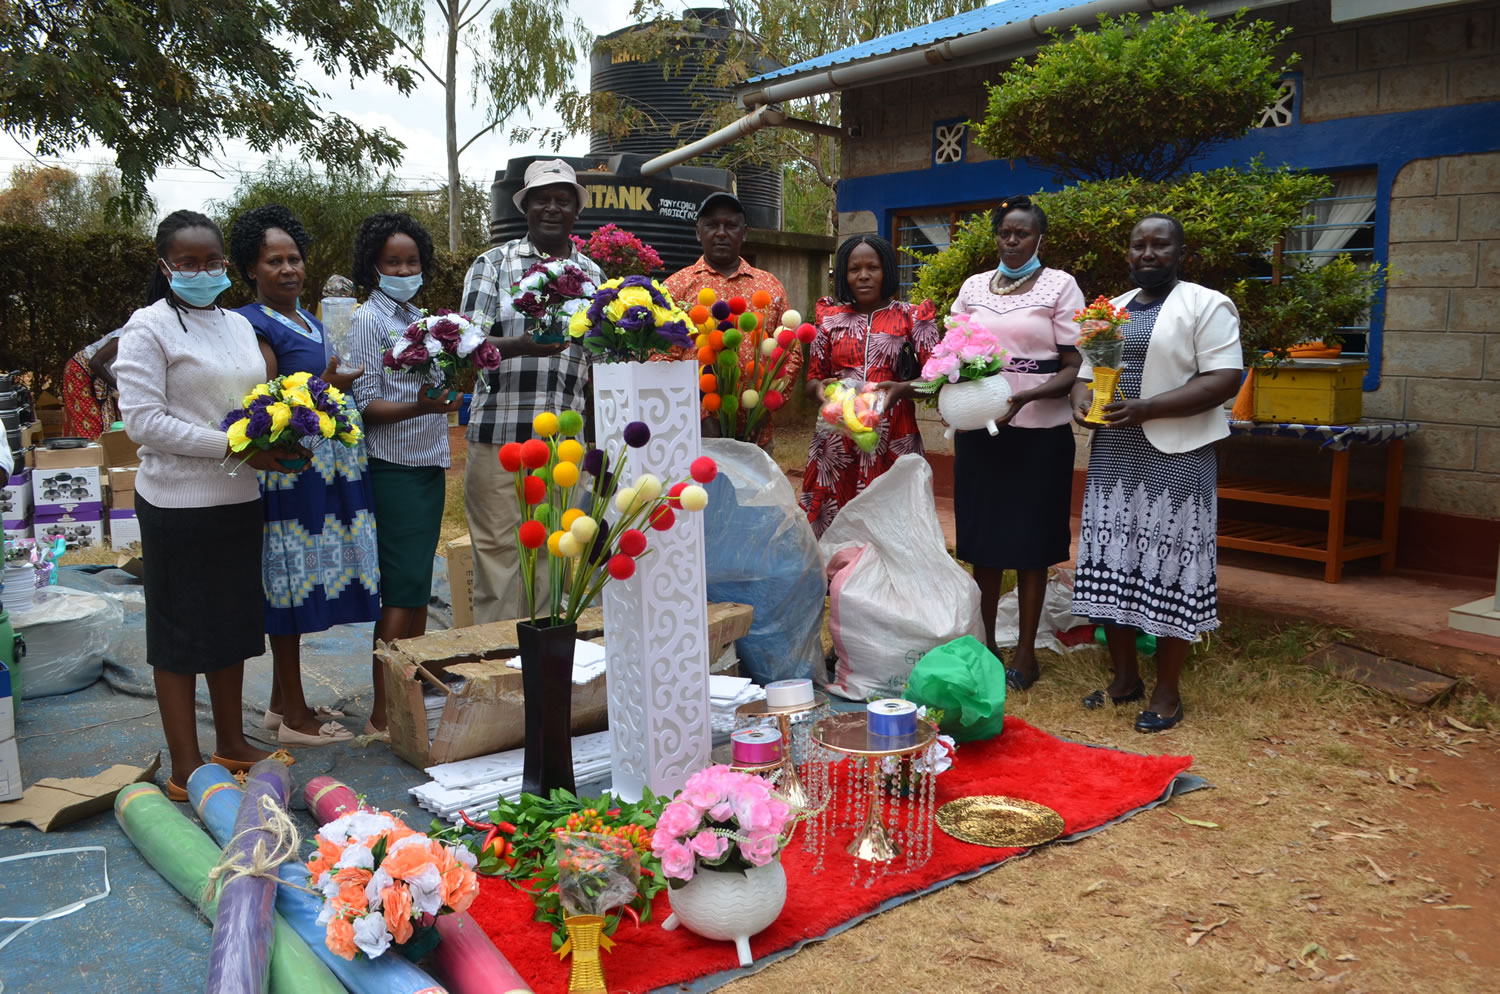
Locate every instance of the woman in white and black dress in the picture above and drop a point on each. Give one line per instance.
(1147, 542)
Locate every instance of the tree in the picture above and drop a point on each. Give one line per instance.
(523, 54)
(42, 196)
(159, 81)
(771, 33)
(1135, 98)
(430, 207)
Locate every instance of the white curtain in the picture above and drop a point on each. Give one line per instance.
(1337, 210)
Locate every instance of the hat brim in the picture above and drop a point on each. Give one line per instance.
(584, 200)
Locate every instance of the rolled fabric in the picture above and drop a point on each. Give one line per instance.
(240, 960)
(183, 855)
(216, 796)
(465, 959)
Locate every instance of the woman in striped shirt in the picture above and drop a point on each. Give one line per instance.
(406, 430)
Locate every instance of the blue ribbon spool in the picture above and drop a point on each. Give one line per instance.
(892, 717)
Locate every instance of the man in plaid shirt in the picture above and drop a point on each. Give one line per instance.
(535, 377)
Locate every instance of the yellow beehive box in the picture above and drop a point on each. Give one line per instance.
(1311, 391)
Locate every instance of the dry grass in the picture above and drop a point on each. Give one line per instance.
(455, 523)
(1303, 769)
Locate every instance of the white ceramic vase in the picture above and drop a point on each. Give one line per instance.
(970, 404)
(729, 905)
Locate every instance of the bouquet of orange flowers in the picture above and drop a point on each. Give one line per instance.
(1103, 345)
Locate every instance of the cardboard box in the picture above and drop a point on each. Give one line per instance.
(15, 498)
(16, 531)
(79, 458)
(124, 529)
(119, 449)
(122, 500)
(51, 420)
(460, 553)
(122, 478)
(76, 533)
(488, 713)
(63, 488)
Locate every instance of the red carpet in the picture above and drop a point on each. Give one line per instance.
(1087, 786)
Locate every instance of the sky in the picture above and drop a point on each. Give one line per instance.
(416, 120)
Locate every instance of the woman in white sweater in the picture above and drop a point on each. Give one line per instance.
(183, 363)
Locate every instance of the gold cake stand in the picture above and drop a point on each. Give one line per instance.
(849, 733)
(789, 785)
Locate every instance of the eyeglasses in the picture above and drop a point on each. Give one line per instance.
(213, 267)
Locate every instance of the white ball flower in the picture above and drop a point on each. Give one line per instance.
(791, 319)
(694, 498)
(648, 487)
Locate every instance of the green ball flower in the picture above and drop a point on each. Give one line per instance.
(571, 422)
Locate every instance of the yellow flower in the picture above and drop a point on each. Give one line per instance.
(635, 296)
(570, 450)
(326, 424)
(281, 416)
(578, 324)
(336, 395)
(298, 396)
(545, 424)
(350, 437)
(296, 380)
(565, 474)
(261, 390)
(615, 310)
(552, 541)
(237, 439)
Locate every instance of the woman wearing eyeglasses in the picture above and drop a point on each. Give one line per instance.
(183, 363)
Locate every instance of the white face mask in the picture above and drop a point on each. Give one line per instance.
(400, 288)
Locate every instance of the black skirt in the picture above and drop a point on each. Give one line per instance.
(1011, 496)
(205, 605)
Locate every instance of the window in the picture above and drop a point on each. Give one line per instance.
(927, 232)
(1342, 223)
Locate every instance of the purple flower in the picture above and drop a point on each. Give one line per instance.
(637, 434)
(446, 332)
(600, 551)
(720, 310)
(569, 284)
(259, 426)
(389, 361)
(602, 299)
(414, 333)
(416, 355)
(260, 404)
(305, 421)
(232, 417)
(726, 325)
(486, 356)
(634, 319)
(675, 332)
(530, 304)
(593, 462)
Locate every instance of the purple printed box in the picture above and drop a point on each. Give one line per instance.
(92, 510)
(15, 498)
(75, 533)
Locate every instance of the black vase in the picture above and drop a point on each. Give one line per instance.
(547, 679)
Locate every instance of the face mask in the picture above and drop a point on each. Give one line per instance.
(199, 289)
(400, 288)
(1020, 274)
(1152, 279)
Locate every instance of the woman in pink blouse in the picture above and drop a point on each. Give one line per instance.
(1013, 490)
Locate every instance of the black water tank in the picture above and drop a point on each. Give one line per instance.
(675, 104)
(660, 210)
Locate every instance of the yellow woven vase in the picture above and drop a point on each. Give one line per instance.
(585, 937)
(1106, 385)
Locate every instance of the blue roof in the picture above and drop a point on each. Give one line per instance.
(994, 15)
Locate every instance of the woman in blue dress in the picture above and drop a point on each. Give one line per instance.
(319, 562)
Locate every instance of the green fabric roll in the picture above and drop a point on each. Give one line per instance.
(183, 854)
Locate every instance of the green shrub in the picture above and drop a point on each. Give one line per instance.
(1232, 219)
(1309, 305)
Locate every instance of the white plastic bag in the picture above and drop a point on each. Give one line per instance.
(67, 636)
(895, 592)
(1057, 615)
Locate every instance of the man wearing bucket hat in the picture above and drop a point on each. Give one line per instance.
(536, 376)
(721, 233)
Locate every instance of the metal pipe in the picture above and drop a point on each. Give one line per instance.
(752, 122)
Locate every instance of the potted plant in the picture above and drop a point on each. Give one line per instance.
(1290, 331)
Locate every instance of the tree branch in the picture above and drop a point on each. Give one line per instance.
(478, 135)
(473, 17)
(418, 56)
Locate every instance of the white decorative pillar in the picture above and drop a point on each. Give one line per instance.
(656, 623)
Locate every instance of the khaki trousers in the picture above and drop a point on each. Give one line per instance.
(490, 505)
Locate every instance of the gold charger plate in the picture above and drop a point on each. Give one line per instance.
(993, 820)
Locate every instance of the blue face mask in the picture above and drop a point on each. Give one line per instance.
(199, 289)
(1020, 274)
(400, 288)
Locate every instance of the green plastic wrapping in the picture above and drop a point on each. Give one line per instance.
(183, 854)
(967, 682)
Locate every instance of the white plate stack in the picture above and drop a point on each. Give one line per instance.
(725, 693)
(19, 587)
(473, 786)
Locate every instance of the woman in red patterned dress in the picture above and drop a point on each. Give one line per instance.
(860, 337)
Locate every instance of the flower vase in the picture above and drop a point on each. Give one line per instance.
(970, 404)
(547, 681)
(585, 938)
(1105, 360)
(656, 622)
(730, 905)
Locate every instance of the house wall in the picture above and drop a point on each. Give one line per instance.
(1416, 98)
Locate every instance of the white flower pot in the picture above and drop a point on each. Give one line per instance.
(970, 404)
(729, 905)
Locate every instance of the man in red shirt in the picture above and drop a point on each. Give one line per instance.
(721, 233)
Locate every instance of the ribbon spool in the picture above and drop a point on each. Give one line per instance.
(892, 717)
(789, 693)
(756, 746)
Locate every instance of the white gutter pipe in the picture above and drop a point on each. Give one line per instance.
(762, 99)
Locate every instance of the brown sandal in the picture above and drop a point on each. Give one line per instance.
(176, 793)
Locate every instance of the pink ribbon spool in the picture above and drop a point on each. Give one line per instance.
(756, 746)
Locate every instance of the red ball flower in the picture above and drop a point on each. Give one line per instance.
(621, 567)
(785, 337)
(535, 490)
(806, 333)
(633, 542)
(737, 305)
(674, 492)
(663, 518)
(533, 534)
(510, 456)
(534, 453)
(773, 400)
(703, 469)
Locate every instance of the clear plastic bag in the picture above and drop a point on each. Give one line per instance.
(67, 636)
(853, 408)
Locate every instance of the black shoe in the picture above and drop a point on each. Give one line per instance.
(1096, 700)
(1016, 680)
(1150, 721)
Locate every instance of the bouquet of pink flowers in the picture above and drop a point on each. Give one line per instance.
(618, 252)
(721, 820)
(384, 883)
(445, 340)
(968, 351)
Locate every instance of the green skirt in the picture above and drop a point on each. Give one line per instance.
(408, 519)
